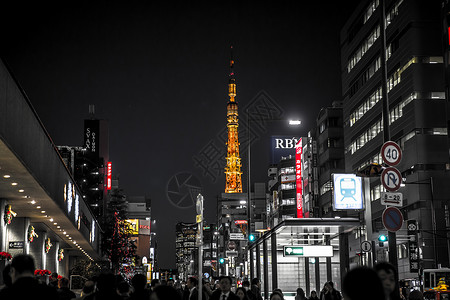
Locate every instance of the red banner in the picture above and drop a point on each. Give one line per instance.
(298, 177)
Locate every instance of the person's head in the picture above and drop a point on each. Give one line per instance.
(246, 284)
(154, 283)
(256, 281)
(139, 282)
(279, 291)
(54, 276)
(22, 266)
(300, 292)
(313, 294)
(362, 283)
(163, 292)
(415, 295)
(329, 285)
(170, 282)
(6, 276)
(123, 288)
(225, 283)
(88, 288)
(106, 282)
(63, 282)
(191, 282)
(241, 293)
(276, 296)
(388, 276)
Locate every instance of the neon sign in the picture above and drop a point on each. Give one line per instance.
(298, 177)
(108, 175)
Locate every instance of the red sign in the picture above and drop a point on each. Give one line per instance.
(391, 153)
(240, 222)
(108, 175)
(298, 177)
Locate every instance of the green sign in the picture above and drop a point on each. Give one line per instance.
(293, 250)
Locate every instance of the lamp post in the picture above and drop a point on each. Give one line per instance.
(249, 197)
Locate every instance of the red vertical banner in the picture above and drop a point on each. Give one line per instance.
(108, 175)
(448, 31)
(298, 177)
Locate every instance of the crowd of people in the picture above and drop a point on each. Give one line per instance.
(379, 283)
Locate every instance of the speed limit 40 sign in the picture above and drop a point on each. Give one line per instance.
(391, 153)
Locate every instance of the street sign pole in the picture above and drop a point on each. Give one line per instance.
(199, 207)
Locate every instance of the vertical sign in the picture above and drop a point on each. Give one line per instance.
(298, 177)
(91, 136)
(108, 175)
(413, 246)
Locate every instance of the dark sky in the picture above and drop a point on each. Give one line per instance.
(158, 72)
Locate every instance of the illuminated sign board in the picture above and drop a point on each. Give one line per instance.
(108, 175)
(347, 189)
(91, 135)
(77, 211)
(133, 226)
(282, 146)
(237, 222)
(298, 177)
(69, 196)
(144, 227)
(308, 251)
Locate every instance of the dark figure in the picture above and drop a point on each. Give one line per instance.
(139, 282)
(276, 296)
(7, 281)
(106, 289)
(165, 293)
(329, 292)
(279, 291)
(54, 280)
(123, 290)
(64, 293)
(389, 279)
(154, 283)
(246, 284)
(313, 296)
(300, 294)
(362, 283)
(88, 289)
(171, 282)
(241, 292)
(255, 291)
(24, 285)
(192, 285)
(415, 295)
(224, 292)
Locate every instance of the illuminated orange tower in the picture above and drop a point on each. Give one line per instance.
(233, 167)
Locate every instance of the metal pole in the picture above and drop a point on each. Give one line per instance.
(200, 245)
(433, 218)
(249, 195)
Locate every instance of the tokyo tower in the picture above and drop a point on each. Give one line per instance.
(233, 167)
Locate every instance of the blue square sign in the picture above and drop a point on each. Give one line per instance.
(347, 192)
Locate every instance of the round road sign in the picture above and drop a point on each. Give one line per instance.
(391, 178)
(231, 245)
(391, 153)
(392, 219)
(366, 246)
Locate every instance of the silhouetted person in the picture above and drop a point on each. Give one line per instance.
(362, 283)
(224, 292)
(255, 290)
(24, 285)
(123, 290)
(88, 289)
(165, 292)
(53, 280)
(106, 289)
(389, 279)
(64, 293)
(7, 281)
(139, 282)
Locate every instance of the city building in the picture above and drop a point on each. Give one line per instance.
(397, 63)
(42, 210)
(186, 248)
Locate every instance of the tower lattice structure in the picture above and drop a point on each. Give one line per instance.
(233, 167)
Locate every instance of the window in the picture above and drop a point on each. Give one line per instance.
(322, 127)
(366, 106)
(332, 143)
(365, 137)
(392, 13)
(363, 48)
(327, 186)
(370, 10)
(395, 78)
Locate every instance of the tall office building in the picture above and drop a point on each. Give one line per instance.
(417, 118)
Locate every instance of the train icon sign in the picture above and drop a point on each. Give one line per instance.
(391, 153)
(347, 192)
(391, 178)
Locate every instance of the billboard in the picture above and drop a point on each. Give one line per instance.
(108, 175)
(92, 136)
(347, 192)
(282, 146)
(133, 226)
(144, 227)
(298, 177)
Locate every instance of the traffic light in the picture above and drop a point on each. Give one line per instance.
(381, 239)
(221, 260)
(251, 238)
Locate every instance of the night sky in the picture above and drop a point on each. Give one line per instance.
(158, 72)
